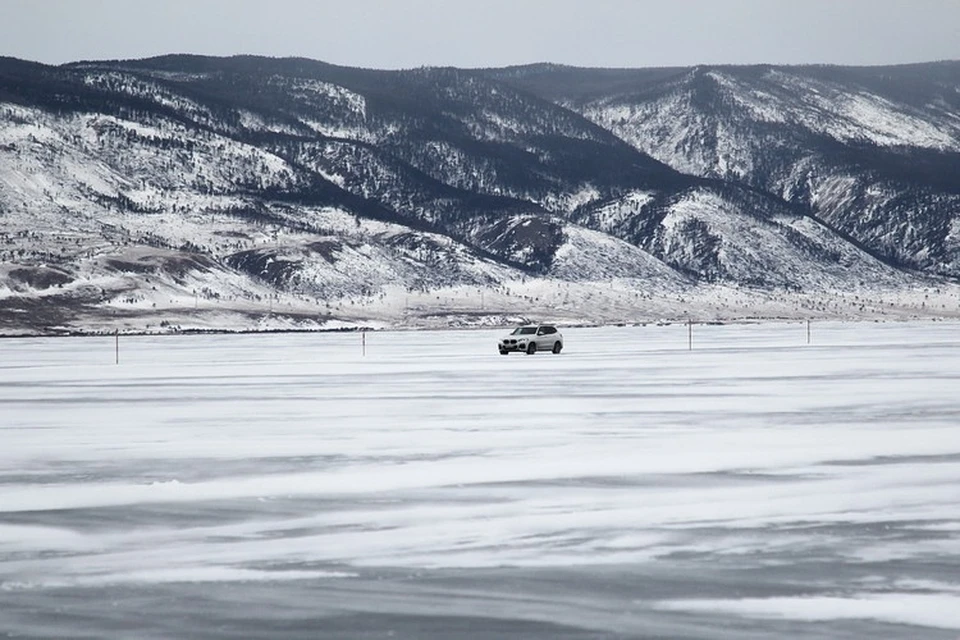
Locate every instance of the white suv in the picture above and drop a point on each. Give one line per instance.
(532, 338)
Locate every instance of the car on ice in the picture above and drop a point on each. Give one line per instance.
(532, 338)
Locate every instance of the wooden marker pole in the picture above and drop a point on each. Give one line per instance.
(363, 343)
(117, 346)
(689, 335)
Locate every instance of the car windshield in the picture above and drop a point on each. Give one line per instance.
(524, 331)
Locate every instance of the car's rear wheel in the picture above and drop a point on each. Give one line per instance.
(531, 348)
(557, 346)
(504, 352)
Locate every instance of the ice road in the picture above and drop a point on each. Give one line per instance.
(286, 486)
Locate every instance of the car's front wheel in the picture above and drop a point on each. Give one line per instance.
(504, 352)
(531, 348)
(557, 346)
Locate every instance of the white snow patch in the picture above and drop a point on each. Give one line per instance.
(938, 611)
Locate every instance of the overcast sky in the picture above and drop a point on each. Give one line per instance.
(480, 33)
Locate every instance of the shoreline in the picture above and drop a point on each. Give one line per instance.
(745, 320)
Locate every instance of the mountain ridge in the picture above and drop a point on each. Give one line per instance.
(786, 129)
(325, 187)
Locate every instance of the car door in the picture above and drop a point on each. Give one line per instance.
(540, 337)
(545, 338)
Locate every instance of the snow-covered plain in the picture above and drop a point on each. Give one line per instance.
(290, 486)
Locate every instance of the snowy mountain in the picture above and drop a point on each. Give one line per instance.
(872, 152)
(186, 192)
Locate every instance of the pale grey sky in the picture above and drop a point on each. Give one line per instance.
(479, 33)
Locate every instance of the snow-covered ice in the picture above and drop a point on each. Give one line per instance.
(287, 485)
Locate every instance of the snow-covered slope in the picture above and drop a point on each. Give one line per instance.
(697, 122)
(251, 193)
(874, 152)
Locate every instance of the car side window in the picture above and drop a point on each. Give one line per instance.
(547, 331)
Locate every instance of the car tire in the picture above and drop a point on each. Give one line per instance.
(503, 353)
(557, 346)
(531, 348)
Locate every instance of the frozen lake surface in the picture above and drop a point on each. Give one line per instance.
(285, 486)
